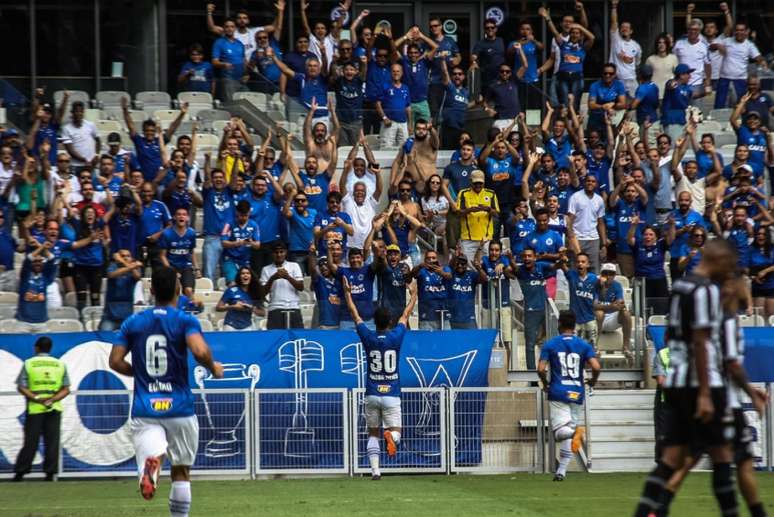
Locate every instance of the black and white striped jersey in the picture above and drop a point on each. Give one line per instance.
(732, 345)
(694, 305)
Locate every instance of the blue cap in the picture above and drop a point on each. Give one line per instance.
(9, 132)
(682, 68)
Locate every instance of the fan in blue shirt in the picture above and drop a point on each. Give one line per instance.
(633, 202)
(498, 266)
(331, 224)
(760, 265)
(228, 54)
(266, 208)
(177, 244)
(122, 274)
(431, 288)
(124, 220)
(646, 99)
(521, 226)
(583, 286)
(327, 291)
(33, 282)
(461, 288)
(739, 234)
(196, 74)
(544, 242)
(395, 100)
(394, 279)
(360, 278)
(751, 135)
(239, 239)
(416, 70)
(301, 223)
(241, 301)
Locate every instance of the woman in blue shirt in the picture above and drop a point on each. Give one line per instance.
(760, 263)
(241, 301)
(572, 54)
(529, 93)
(89, 259)
(122, 276)
(649, 252)
(690, 252)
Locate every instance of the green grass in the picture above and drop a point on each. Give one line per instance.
(593, 495)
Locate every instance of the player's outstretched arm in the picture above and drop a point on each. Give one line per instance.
(118, 360)
(542, 371)
(350, 303)
(409, 308)
(596, 369)
(203, 355)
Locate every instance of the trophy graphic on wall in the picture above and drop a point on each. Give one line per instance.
(300, 357)
(353, 362)
(224, 424)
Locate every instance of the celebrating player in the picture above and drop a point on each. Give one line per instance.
(163, 420)
(382, 402)
(695, 387)
(567, 354)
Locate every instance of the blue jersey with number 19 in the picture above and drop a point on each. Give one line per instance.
(567, 356)
(383, 357)
(157, 340)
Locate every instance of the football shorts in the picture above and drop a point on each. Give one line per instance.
(178, 438)
(565, 414)
(686, 430)
(382, 412)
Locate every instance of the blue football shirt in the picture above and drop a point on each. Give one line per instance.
(383, 355)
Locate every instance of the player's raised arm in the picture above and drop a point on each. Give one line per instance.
(409, 308)
(350, 303)
(203, 355)
(118, 362)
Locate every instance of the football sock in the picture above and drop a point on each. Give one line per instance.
(395, 437)
(565, 455)
(757, 510)
(651, 493)
(180, 499)
(564, 432)
(664, 501)
(372, 449)
(723, 486)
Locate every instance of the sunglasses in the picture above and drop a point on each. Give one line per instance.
(490, 27)
(505, 71)
(458, 73)
(381, 55)
(405, 190)
(608, 73)
(302, 41)
(433, 25)
(300, 200)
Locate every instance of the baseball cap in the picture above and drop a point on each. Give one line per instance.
(114, 138)
(47, 108)
(608, 268)
(477, 176)
(747, 168)
(393, 247)
(751, 113)
(682, 68)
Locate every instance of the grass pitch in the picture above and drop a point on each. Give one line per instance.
(597, 495)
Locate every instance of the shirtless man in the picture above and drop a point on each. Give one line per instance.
(318, 143)
(424, 151)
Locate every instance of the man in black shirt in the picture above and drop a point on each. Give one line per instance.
(489, 52)
(501, 101)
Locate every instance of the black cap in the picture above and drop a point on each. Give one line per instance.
(114, 138)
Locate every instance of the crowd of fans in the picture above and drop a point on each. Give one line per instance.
(580, 199)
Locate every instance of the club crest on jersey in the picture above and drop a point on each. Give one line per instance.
(383, 388)
(573, 395)
(161, 405)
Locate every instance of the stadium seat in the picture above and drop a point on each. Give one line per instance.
(657, 320)
(71, 299)
(140, 308)
(257, 99)
(209, 296)
(9, 297)
(213, 114)
(7, 311)
(166, 117)
(709, 126)
(12, 326)
(197, 101)
(91, 326)
(721, 115)
(724, 138)
(728, 149)
(771, 320)
(206, 325)
(152, 101)
(111, 99)
(91, 313)
(108, 126)
(93, 115)
(262, 324)
(64, 325)
(218, 126)
(75, 95)
(624, 281)
(221, 285)
(204, 284)
(610, 341)
(751, 321)
(70, 313)
(207, 141)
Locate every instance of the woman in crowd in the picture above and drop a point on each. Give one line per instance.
(241, 301)
(663, 62)
(649, 251)
(89, 259)
(435, 206)
(690, 252)
(760, 264)
(122, 274)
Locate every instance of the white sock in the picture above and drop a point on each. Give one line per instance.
(373, 450)
(564, 432)
(565, 455)
(180, 499)
(395, 437)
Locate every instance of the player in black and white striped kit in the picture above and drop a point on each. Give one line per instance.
(695, 386)
(732, 347)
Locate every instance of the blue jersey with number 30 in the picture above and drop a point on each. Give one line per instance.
(567, 356)
(157, 340)
(383, 357)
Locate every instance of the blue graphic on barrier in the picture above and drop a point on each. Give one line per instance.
(300, 430)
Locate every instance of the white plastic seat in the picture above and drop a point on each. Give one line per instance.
(721, 115)
(108, 126)
(9, 297)
(213, 114)
(197, 101)
(209, 296)
(70, 313)
(204, 283)
(12, 326)
(75, 96)
(257, 99)
(7, 311)
(91, 325)
(92, 313)
(64, 325)
(657, 319)
(206, 325)
(724, 138)
(623, 281)
(111, 99)
(207, 140)
(151, 101)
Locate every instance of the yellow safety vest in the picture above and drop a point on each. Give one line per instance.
(45, 375)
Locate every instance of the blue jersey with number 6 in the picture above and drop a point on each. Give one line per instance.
(567, 356)
(156, 339)
(382, 351)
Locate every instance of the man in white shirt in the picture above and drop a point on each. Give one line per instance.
(244, 32)
(586, 223)
(360, 207)
(737, 53)
(80, 138)
(284, 281)
(712, 36)
(625, 53)
(694, 52)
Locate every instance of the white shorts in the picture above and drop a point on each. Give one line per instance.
(611, 323)
(178, 438)
(382, 412)
(564, 414)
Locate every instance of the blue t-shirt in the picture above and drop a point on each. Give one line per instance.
(392, 288)
(567, 356)
(500, 177)
(34, 284)
(266, 212)
(124, 232)
(265, 64)
(623, 219)
(234, 318)
(316, 189)
(757, 144)
(416, 75)
(548, 241)
(685, 251)
(571, 57)
(458, 175)
(377, 80)
(383, 355)
(327, 291)
(233, 52)
(148, 155)
(313, 88)
(677, 97)
(533, 285)
(647, 93)
(582, 292)
(119, 295)
(178, 199)
(349, 99)
(395, 100)
(530, 52)
(489, 265)
(611, 294)
(47, 132)
(179, 247)
(649, 260)
(446, 50)
(248, 232)
(691, 218)
(93, 254)
(201, 80)
(156, 338)
(301, 231)
(739, 238)
(361, 281)
(604, 93)
(563, 194)
(705, 163)
(455, 104)
(8, 246)
(462, 296)
(218, 210)
(518, 236)
(560, 150)
(758, 260)
(323, 219)
(431, 289)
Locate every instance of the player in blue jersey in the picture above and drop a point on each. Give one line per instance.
(163, 420)
(382, 396)
(566, 355)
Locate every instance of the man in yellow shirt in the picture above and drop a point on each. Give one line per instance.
(478, 208)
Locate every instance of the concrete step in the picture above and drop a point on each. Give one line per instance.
(621, 431)
(621, 464)
(622, 398)
(634, 446)
(598, 416)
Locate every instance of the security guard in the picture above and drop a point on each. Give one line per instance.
(44, 383)
(660, 410)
